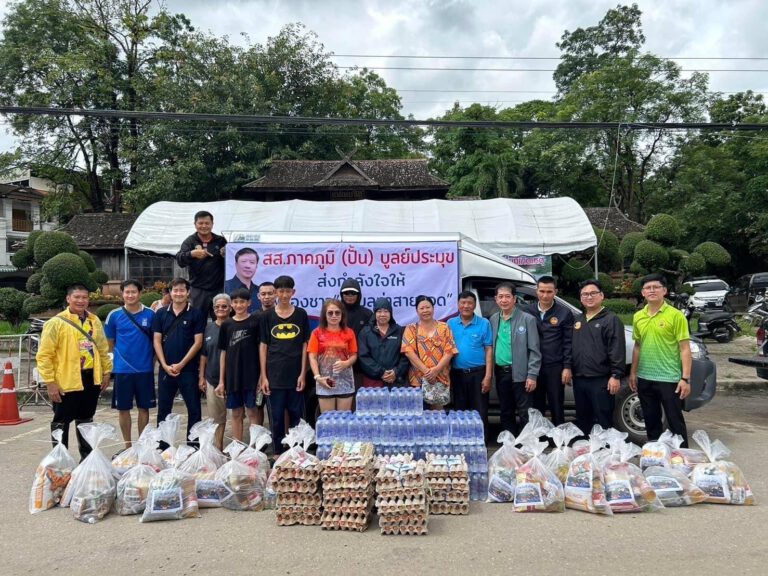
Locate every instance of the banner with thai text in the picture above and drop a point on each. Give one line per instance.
(395, 270)
(538, 265)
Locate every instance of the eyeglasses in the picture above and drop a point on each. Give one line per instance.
(333, 313)
(654, 288)
(221, 306)
(589, 294)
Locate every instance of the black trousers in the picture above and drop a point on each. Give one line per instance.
(550, 392)
(78, 407)
(594, 404)
(466, 386)
(512, 399)
(203, 299)
(655, 396)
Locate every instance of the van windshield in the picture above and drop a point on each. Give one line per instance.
(760, 281)
(711, 286)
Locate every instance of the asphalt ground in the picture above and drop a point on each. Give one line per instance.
(492, 539)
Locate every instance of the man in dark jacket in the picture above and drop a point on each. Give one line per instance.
(358, 316)
(378, 346)
(554, 322)
(203, 254)
(599, 360)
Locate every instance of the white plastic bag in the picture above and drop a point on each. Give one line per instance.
(171, 496)
(560, 458)
(538, 489)
(202, 465)
(252, 455)
(129, 457)
(204, 432)
(684, 459)
(626, 489)
(244, 483)
(91, 491)
(722, 481)
(133, 486)
(673, 487)
(658, 452)
(169, 430)
(51, 477)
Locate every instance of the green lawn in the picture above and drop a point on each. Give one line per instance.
(7, 328)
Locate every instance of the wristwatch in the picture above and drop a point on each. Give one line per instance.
(684, 379)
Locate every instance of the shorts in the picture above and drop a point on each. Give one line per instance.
(217, 407)
(241, 398)
(340, 396)
(127, 386)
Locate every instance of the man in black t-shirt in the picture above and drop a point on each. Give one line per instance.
(283, 357)
(239, 362)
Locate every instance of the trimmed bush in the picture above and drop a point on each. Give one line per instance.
(12, 305)
(90, 283)
(32, 238)
(103, 310)
(608, 255)
(677, 255)
(714, 254)
(664, 229)
(636, 268)
(148, 297)
(35, 304)
(49, 244)
(100, 277)
(575, 271)
(607, 283)
(637, 288)
(22, 259)
(33, 283)
(694, 265)
(651, 255)
(627, 246)
(90, 263)
(48, 291)
(63, 270)
(620, 305)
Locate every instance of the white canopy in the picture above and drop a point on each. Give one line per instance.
(502, 225)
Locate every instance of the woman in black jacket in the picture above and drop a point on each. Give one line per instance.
(379, 349)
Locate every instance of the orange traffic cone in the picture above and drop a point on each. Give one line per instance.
(9, 408)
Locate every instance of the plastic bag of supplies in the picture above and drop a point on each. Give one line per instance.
(673, 487)
(538, 488)
(169, 431)
(91, 491)
(253, 455)
(51, 477)
(133, 486)
(171, 496)
(202, 465)
(244, 483)
(560, 458)
(129, 457)
(684, 459)
(658, 452)
(204, 432)
(626, 489)
(722, 481)
(584, 485)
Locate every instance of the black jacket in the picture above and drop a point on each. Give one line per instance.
(357, 316)
(555, 333)
(377, 354)
(206, 274)
(599, 346)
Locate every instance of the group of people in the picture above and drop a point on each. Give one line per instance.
(257, 347)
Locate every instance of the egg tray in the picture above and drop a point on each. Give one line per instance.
(288, 518)
(405, 530)
(360, 483)
(356, 522)
(387, 506)
(401, 492)
(339, 495)
(296, 499)
(354, 507)
(449, 496)
(438, 466)
(297, 486)
(453, 508)
(413, 519)
(444, 484)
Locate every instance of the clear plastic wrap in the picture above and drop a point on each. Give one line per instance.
(51, 477)
(204, 432)
(684, 459)
(129, 457)
(658, 452)
(673, 487)
(252, 455)
(626, 489)
(538, 488)
(721, 480)
(585, 485)
(244, 483)
(560, 458)
(171, 496)
(133, 486)
(91, 490)
(169, 431)
(203, 464)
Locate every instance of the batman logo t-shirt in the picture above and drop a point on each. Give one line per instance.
(285, 338)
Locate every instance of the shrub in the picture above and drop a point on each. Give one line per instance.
(651, 255)
(63, 270)
(32, 238)
(620, 305)
(575, 271)
(636, 268)
(148, 297)
(677, 255)
(664, 229)
(694, 265)
(637, 288)
(91, 284)
(35, 304)
(100, 277)
(12, 305)
(627, 246)
(48, 291)
(607, 283)
(33, 283)
(90, 263)
(103, 310)
(22, 259)
(49, 244)
(714, 254)
(608, 255)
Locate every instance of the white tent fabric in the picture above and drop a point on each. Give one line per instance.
(505, 226)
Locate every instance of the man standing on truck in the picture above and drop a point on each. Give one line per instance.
(203, 254)
(517, 358)
(554, 322)
(661, 361)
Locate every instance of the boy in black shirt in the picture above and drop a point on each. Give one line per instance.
(239, 365)
(283, 358)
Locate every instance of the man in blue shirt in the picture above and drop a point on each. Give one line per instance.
(472, 367)
(129, 332)
(178, 337)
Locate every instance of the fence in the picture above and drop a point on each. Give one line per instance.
(20, 350)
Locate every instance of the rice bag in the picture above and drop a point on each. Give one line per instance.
(51, 477)
(722, 481)
(202, 465)
(252, 455)
(91, 491)
(129, 457)
(584, 485)
(538, 489)
(626, 489)
(171, 496)
(169, 430)
(658, 452)
(244, 483)
(562, 455)
(673, 487)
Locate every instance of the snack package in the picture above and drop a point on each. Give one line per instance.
(626, 489)
(171, 496)
(561, 456)
(202, 465)
(684, 459)
(244, 483)
(538, 488)
(129, 457)
(673, 487)
(133, 486)
(722, 481)
(658, 452)
(584, 485)
(169, 430)
(51, 477)
(91, 491)
(252, 455)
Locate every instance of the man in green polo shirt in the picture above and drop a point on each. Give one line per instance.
(661, 361)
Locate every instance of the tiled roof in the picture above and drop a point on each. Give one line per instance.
(100, 231)
(618, 223)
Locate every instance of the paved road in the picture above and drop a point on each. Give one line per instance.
(704, 539)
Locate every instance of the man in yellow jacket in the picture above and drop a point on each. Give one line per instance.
(74, 363)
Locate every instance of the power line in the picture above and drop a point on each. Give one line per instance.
(446, 57)
(451, 69)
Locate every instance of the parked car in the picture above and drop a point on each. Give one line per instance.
(748, 290)
(760, 360)
(710, 292)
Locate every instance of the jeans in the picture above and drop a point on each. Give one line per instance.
(187, 384)
(512, 398)
(278, 402)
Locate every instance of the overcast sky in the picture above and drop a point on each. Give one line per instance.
(673, 28)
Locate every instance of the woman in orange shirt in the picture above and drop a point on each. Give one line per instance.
(332, 351)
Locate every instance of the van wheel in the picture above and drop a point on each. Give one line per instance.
(628, 415)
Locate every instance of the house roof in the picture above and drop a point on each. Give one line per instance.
(618, 223)
(21, 192)
(102, 231)
(313, 174)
